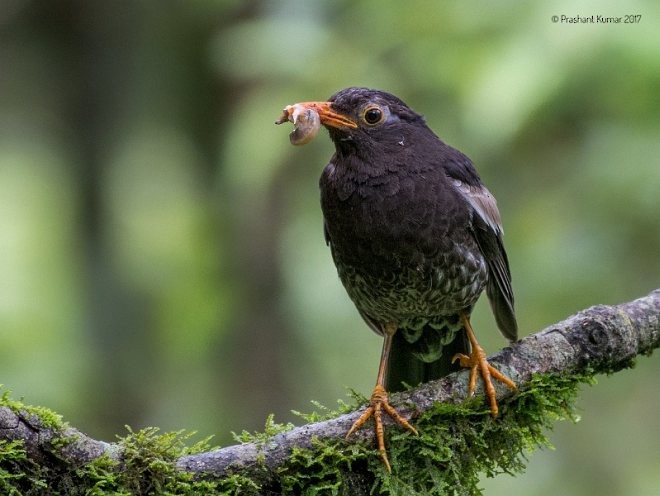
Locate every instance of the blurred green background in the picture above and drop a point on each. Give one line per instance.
(161, 252)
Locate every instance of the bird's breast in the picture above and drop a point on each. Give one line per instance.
(401, 245)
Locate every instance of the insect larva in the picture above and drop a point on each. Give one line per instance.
(306, 122)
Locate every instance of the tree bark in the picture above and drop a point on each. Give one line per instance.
(601, 339)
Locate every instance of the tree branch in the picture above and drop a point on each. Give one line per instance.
(601, 339)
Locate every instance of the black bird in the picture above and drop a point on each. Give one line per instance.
(416, 237)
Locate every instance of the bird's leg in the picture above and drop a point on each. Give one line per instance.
(379, 401)
(477, 360)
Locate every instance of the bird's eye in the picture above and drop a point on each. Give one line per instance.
(373, 115)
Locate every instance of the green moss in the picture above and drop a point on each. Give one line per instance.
(458, 444)
(147, 467)
(322, 412)
(324, 469)
(271, 428)
(46, 417)
(12, 458)
(148, 463)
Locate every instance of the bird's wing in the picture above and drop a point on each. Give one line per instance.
(487, 229)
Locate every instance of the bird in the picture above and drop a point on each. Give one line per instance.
(416, 238)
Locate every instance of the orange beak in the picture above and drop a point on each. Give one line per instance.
(328, 116)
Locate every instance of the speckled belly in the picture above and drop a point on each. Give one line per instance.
(415, 295)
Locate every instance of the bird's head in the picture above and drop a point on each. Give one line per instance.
(362, 120)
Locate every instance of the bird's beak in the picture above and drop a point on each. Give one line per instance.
(328, 116)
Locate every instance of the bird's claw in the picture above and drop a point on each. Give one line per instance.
(380, 402)
(477, 360)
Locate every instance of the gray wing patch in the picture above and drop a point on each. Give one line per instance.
(487, 229)
(483, 202)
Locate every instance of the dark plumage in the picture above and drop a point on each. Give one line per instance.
(414, 234)
(415, 237)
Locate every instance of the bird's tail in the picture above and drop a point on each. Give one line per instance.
(409, 364)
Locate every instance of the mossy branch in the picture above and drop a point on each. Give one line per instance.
(547, 366)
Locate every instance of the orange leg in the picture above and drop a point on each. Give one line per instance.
(379, 401)
(477, 360)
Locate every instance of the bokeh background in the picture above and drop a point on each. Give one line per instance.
(161, 253)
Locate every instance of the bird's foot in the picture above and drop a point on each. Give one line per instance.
(477, 360)
(379, 402)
